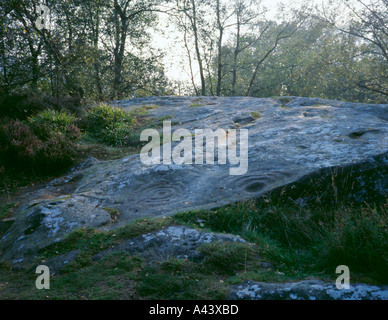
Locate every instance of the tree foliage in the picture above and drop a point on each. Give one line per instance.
(307, 53)
(92, 48)
(102, 49)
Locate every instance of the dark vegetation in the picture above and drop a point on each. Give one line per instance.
(49, 142)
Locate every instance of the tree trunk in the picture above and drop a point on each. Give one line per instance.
(219, 59)
(97, 58)
(235, 57)
(190, 61)
(197, 50)
(121, 27)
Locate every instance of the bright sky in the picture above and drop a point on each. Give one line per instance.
(175, 62)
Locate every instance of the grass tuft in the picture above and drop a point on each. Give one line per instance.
(256, 115)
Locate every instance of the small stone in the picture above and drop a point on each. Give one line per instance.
(266, 265)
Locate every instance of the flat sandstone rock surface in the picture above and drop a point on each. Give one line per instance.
(287, 142)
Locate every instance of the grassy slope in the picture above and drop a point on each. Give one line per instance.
(297, 247)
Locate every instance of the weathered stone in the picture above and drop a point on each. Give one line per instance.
(266, 265)
(5, 225)
(48, 222)
(306, 290)
(172, 242)
(243, 119)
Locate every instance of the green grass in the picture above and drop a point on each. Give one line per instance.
(91, 241)
(196, 105)
(308, 241)
(256, 115)
(117, 276)
(230, 258)
(49, 121)
(181, 280)
(165, 118)
(121, 276)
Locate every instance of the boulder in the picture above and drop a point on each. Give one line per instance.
(173, 242)
(306, 290)
(291, 146)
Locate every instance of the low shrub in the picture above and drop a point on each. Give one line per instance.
(72, 132)
(57, 154)
(109, 124)
(18, 144)
(116, 134)
(49, 153)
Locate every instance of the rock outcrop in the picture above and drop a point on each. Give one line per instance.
(175, 241)
(306, 290)
(297, 143)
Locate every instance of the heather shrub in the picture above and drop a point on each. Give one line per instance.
(18, 144)
(22, 150)
(57, 154)
(73, 133)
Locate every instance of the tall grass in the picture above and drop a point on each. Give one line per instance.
(314, 238)
(50, 122)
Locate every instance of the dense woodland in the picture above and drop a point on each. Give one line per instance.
(102, 49)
